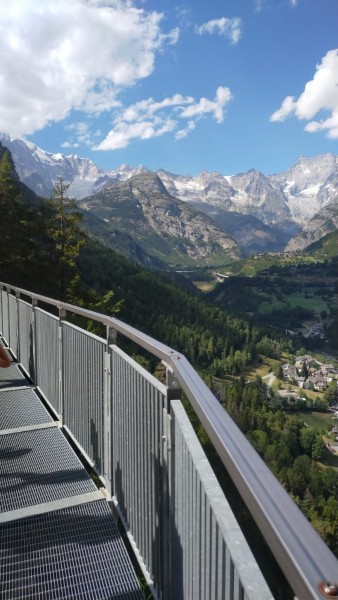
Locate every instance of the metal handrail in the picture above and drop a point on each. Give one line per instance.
(309, 566)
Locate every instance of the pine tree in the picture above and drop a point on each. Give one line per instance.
(19, 230)
(68, 239)
(8, 205)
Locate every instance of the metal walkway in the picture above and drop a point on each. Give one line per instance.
(58, 538)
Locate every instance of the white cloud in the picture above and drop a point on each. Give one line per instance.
(80, 133)
(182, 133)
(148, 118)
(320, 94)
(229, 28)
(259, 5)
(59, 56)
(123, 133)
(287, 107)
(204, 106)
(170, 38)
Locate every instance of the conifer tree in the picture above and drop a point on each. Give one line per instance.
(68, 239)
(8, 202)
(18, 228)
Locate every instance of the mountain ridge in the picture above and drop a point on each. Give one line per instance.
(274, 208)
(166, 228)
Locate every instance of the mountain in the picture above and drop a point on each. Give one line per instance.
(309, 185)
(247, 206)
(326, 248)
(164, 229)
(248, 193)
(39, 170)
(323, 223)
(261, 212)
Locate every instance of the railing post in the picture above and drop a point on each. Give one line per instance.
(17, 295)
(8, 290)
(111, 337)
(1, 309)
(32, 345)
(173, 393)
(62, 317)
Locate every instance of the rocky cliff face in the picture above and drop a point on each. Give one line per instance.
(309, 185)
(163, 226)
(324, 222)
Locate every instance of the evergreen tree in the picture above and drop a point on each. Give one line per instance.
(68, 239)
(9, 222)
(20, 227)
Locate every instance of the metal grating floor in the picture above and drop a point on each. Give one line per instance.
(12, 377)
(39, 466)
(73, 553)
(21, 408)
(68, 550)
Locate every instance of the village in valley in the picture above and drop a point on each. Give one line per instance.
(309, 374)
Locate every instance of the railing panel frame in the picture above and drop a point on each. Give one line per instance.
(26, 338)
(13, 324)
(137, 402)
(46, 350)
(302, 555)
(83, 390)
(207, 539)
(5, 315)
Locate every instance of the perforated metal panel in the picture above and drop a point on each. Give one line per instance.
(83, 390)
(12, 377)
(13, 324)
(210, 556)
(39, 466)
(137, 401)
(5, 317)
(73, 553)
(47, 356)
(25, 337)
(20, 408)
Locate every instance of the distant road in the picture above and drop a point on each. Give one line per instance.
(270, 379)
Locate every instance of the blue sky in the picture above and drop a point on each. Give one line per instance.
(217, 85)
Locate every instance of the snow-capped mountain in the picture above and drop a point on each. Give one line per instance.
(295, 195)
(269, 208)
(323, 223)
(39, 170)
(309, 185)
(245, 193)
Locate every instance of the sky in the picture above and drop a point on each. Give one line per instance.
(188, 86)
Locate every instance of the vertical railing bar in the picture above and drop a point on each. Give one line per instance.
(173, 392)
(146, 493)
(17, 296)
(136, 412)
(107, 411)
(1, 310)
(196, 518)
(135, 455)
(34, 370)
(62, 382)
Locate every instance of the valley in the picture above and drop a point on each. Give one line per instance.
(142, 250)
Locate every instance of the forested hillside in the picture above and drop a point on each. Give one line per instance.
(43, 249)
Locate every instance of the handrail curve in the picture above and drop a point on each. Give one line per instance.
(307, 563)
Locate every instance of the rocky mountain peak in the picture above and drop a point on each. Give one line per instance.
(284, 202)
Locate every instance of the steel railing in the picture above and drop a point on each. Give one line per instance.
(152, 425)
